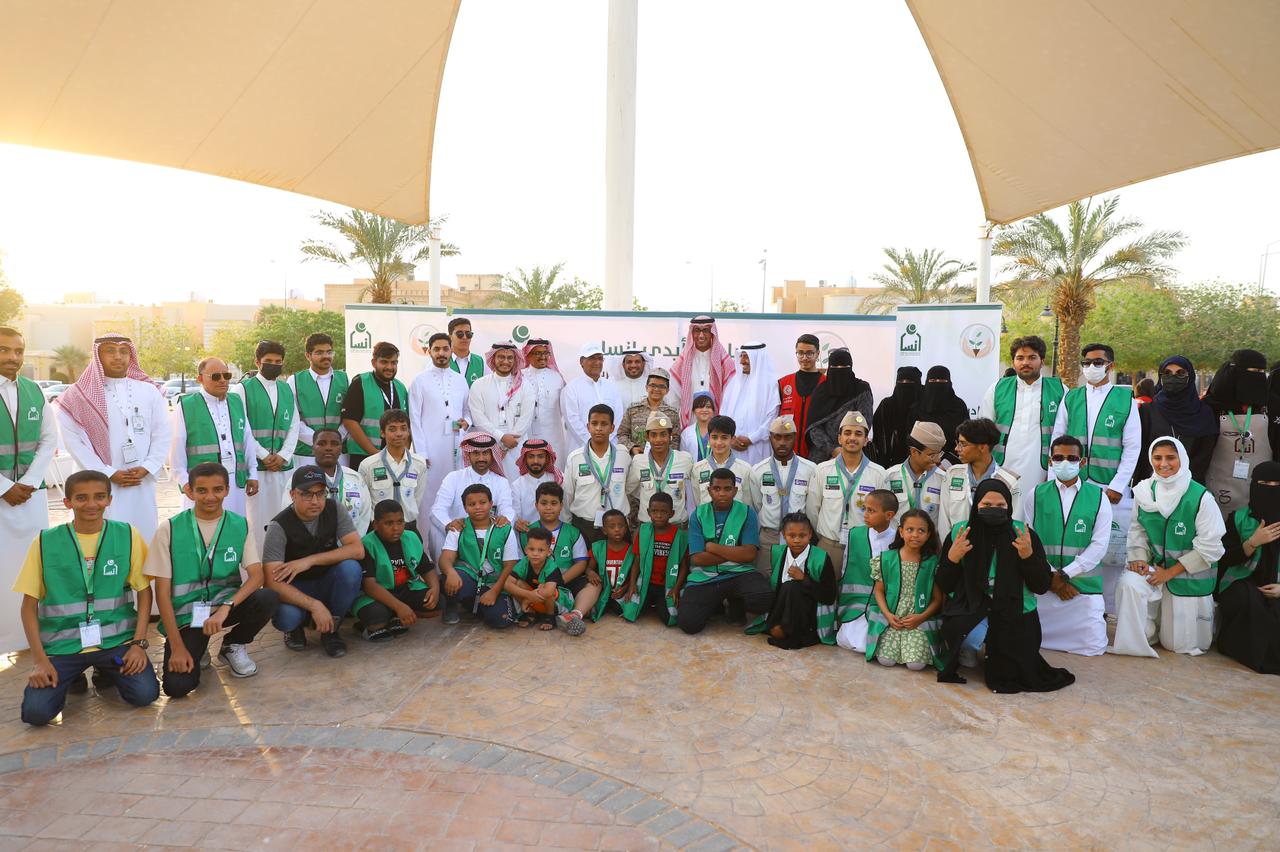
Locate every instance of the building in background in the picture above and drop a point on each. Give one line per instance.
(473, 291)
(797, 297)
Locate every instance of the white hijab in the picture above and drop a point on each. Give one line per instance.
(1165, 498)
(752, 399)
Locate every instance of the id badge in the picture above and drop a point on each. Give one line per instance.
(129, 452)
(599, 522)
(90, 634)
(844, 531)
(199, 614)
(448, 426)
(1240, 469)
(139, 424)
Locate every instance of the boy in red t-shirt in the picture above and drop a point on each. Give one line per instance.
(658, 551)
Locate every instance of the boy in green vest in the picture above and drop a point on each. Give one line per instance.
(369, 395)
(661, 550)
(879, 518)
(477, 560)
(399, 580)
(462, 360)
(538, 584)
(77, 610)
(196, 560)
(723, 536)
(319, 391)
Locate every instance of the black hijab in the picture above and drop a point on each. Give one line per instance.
(939, 404)
(993, 540)
(1264, 504)
(1237, 385)
(841, 386)
(1186, 413)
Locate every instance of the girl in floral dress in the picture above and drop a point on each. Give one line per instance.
(902, 619)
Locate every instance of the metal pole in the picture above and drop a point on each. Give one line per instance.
(433, 240)
(764, 279)
(1055, 343)
(984, 263)
(620, 155)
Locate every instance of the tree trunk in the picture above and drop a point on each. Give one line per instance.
(1071, 319)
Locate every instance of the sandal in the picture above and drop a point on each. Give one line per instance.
(573, 624)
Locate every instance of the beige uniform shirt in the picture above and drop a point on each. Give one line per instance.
(826, 505)
(765, 489)
(674, 478)
(160, 564)
(702, 480)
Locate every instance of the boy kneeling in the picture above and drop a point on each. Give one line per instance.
(77, 611)
(196, 558)
(399, 582)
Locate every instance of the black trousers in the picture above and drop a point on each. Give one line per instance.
(246, 620)
(590, 532)
(379, 613)
(699, 603)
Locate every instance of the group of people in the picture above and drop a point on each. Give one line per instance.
(910, 532)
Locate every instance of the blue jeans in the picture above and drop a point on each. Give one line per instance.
(41, 706)
(498, 616)
(976, 637)
(337, 589)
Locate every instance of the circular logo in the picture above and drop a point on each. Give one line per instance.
(419, 337)
(520, 333)
(786, 390)
(828, 340)
(977, 340)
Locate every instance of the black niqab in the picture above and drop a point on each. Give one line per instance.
(841, 386)
(1264, 504)
(1238, 385)
(939, 404)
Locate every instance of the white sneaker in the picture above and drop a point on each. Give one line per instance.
(237, 658)
(968, 657)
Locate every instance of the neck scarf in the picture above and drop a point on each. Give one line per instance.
(551, 354)
(721, 367)
(1162, 494)
(517, 370)
(534, 445)
(1187, 414)
(85, 402)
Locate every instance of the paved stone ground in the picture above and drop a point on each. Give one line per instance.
(637, 736)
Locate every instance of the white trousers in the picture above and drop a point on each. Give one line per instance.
(1144, 613)
(1076, 626)
(853, 635)
(1117, 555)
(273, 485)
(19, 526)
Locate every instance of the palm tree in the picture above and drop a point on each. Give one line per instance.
(1066, 269)
(71, 360)
(379, 243)
(911, 279)
(536, 290)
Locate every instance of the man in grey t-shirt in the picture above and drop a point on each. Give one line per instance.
(311, 557)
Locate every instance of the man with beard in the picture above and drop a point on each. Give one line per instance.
(536, 465)
(369, 395)
(629, 373)
(273, 419)
(1248, 433)
(438, 414)
(795, 391)
(587, 391)
(892, 421)
(499, 402)
(703, 366)
(319, 391)
(1024, 408)
(482, 455)
(939, 404)
(749, 399)
(545, 383)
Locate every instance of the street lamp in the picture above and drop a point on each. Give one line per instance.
(1046, 315)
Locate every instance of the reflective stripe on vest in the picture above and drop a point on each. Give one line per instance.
(814, 562)
(1107, 444)
(186, 555)
(1006, 402)
(855, 579)
(65, 604)
(18, 446)
(730, 535)
(375, 405)
(1246, 525)
(202, 433)
(1169, 539)
(269, 424)
(922, 596)
(1065, 540)
(313, 409)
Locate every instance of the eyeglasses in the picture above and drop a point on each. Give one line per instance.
(314, 495)
(800, 353)
(219, 377)
(1094, 362)
(1061, 458)
(465, 335)
(961, 443)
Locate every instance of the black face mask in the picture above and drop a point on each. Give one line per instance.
(1251, 388)
(1264, 502)
(993, 516)
(270, 371)
(1176, 383)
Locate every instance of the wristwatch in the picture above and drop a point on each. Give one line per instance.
(141, 643)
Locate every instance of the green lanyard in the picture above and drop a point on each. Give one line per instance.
(660, 482)
(849, 484)
(1248, 420)
(209, 553)
(335, 490)
(88, 573)
(601, 476)
(913, 483)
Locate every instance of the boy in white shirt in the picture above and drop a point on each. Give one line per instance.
(720, 433)
(394, 472)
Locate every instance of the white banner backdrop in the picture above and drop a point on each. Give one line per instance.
(963, 337)
(870, 339)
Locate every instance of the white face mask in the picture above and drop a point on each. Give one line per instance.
(1065, 471)
(1093, 374)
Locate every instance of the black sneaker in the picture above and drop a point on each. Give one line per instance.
(103, 679)
(333, 644)
(296, 639)
(396, 627)
(452, 614)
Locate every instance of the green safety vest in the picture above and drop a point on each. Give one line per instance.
(1107, 443)
(1169, 539)
(855, 580)
(730, 535)
(383, 572)
(375, 405)
(270, 426)
(1064, 541)
(679, 547)
(524, 570)
(1006, 400)
(599, 550)
(18, 446)
(566, 538)
(484, 567)
(891, 572)
(1246, 525)
(65, 604)
(313, 409)
(1028, 599)
(202, 434)
(813, 565)
(193, 579)
(475, 368)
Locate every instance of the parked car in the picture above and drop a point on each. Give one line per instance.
(174, 388)
(47, 383)
(54, 391)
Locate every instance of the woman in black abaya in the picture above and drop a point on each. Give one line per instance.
(841, 393)
(1248, 595)
(893, 421)
(991, 569)
(939, 404)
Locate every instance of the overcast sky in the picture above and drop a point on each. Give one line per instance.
(816, 129)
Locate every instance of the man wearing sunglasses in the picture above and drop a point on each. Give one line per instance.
(1072, 516)
(210, 426)
(1105, 420)
(463, 361)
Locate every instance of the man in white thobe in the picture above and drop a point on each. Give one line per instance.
(585, 391)
(275, 437)
(545, 384)
(630, 372)
(751, 399)
(24, 509)
(484, 463)
(536, 465)
(115, 421)
(500, 402)
(215, 381)
(438, 417)
(1021, 406)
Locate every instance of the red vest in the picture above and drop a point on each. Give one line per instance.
(798, 407)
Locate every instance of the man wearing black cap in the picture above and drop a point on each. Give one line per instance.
(311, 557)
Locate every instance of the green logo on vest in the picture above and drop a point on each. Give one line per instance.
(1179, 528)
(1080, 525)
(1111, 421)
(360, 338)
(110, 569)
(909, 340)
(957, 482)
(833, 482)
(33, 414)
(230, 556)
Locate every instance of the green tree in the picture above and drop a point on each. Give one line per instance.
(389, 248)
(1140, 323)
(289, 326)
(1218, 317)
(728, 306)
(535, 290)
(1066, 268)
(916, 279)
(11, 300)
(70, 359)
(166, 349)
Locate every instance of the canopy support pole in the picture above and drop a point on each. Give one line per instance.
(620, 155)
(433, 240)
(984, 263)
